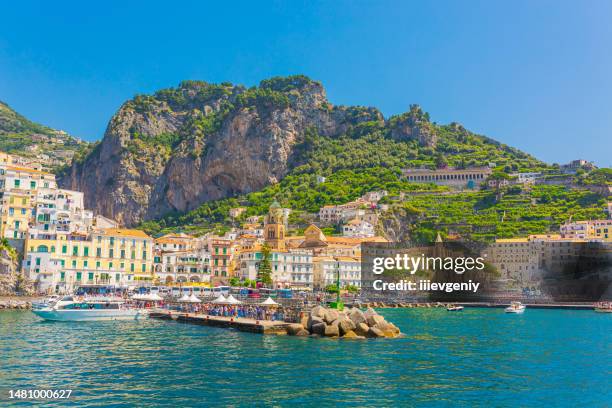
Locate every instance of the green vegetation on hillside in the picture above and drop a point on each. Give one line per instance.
(362, 160)
(480, 216)
(20, 136)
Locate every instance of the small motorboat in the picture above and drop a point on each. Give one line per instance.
(603, 307)
(454, 308)
(515, 307)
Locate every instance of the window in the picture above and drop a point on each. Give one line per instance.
(111, 253)
(110, 265)
(32, 184)
(74, 263)
(90, 276)
(37, 261)
(62, 276)
(75, 251)
(97, 264)
(64, 249)
(98, 252)
(123, 254)
(85, 263)
(144, 268)
(17, 183)
(132, 267)
(78, 276)
(86, 251)
(133, 254)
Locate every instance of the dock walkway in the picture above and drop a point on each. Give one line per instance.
(239, 323)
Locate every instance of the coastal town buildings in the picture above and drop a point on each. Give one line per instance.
(327, 269)
(290, 268)
(526, 178)
(358, 228)
(360, 208)
(181, 258)
(591, 229)
(450, 176)
(121, 257)
(531, 259)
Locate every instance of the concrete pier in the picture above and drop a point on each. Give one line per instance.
(239, 323)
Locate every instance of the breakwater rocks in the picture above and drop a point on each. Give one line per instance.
(12, 304)
(350, 324)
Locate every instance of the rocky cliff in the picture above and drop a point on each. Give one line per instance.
(198, 142)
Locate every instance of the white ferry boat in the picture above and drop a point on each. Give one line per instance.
(454, 308)
(515, 307)
(70, 309)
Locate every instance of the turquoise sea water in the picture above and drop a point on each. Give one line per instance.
(478, 357)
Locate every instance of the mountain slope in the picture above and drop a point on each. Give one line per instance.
(23, 137)
(170, 152)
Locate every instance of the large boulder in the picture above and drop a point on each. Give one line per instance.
(294, 328)
(356, 316)
(319, 328)
(312, 320)
(352, 335)
(304, 320)
(346, 325)
(373, 320)
(330, 315)
(370, 312)
(332, 331)
(375, 333)
(362, 329)
(318, 311)
(303, 332)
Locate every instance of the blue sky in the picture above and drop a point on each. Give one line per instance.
(533, 74)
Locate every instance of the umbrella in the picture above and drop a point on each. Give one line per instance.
(269, 302)
(154, 297)
(220, 299)
(194, 299)
(232, 300)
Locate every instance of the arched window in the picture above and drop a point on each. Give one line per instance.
(42, 248)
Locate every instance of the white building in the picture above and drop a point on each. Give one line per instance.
(326, 271)
(358, 228)
(526, 178)
(290, 269)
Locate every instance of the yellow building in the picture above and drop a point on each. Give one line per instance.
(114, 256)
(15, 213)
(18, 187)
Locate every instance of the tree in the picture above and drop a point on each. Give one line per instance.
(333, 288)
(234, 281)
(441, 162)
(351, 289)
(264, 270)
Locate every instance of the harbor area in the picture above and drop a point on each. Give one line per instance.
(318, 321)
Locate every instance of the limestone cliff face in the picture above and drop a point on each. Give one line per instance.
(199, 142)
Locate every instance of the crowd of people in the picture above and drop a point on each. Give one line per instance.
(256, 312)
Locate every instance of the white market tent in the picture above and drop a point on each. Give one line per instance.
(269, 302)
(232, 300)
(220, 299)
(153, 297)
(185, 298)
(194, 299)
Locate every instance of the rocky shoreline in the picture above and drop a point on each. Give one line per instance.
(13, 304)
(350, 324)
